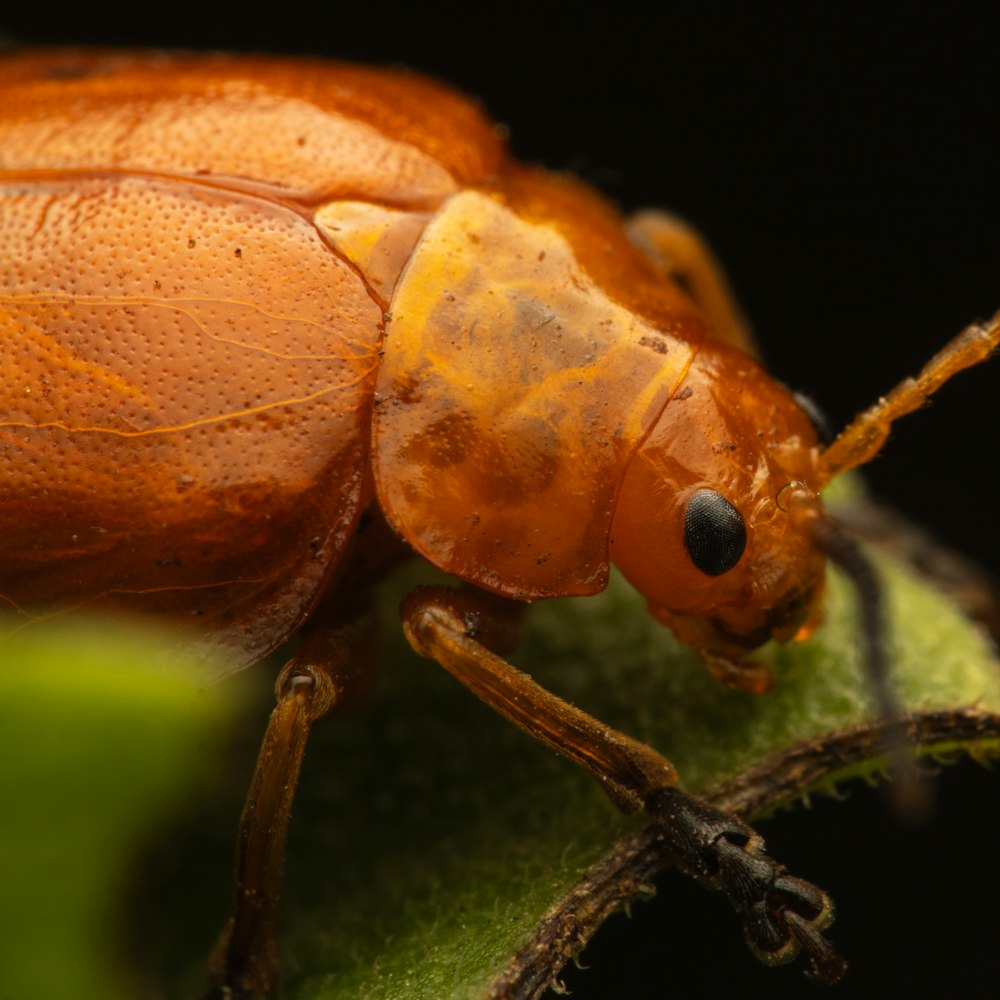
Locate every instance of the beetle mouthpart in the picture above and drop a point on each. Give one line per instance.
(743, 675)
(797, 616)
(909, 792)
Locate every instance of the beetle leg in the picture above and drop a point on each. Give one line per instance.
(331, 669)
(782, 916)
(680, 253)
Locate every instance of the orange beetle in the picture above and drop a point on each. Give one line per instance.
(270, 325)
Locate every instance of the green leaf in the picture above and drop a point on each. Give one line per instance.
(430, 837)
(95, 750)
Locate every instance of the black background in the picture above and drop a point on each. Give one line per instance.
(843, 163)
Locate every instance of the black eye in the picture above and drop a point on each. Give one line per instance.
(714, 533)
(816, 417)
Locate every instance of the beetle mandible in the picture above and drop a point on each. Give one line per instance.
(271, 325)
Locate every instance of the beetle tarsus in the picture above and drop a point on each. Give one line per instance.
(783, 916)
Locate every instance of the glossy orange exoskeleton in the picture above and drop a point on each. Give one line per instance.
(249, 306)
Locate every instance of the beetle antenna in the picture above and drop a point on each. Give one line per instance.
(862, 439)
(909, 792)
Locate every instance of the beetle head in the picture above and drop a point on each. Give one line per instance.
(716, 520)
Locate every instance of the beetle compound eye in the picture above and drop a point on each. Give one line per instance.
(714, 533)
(816, 417)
